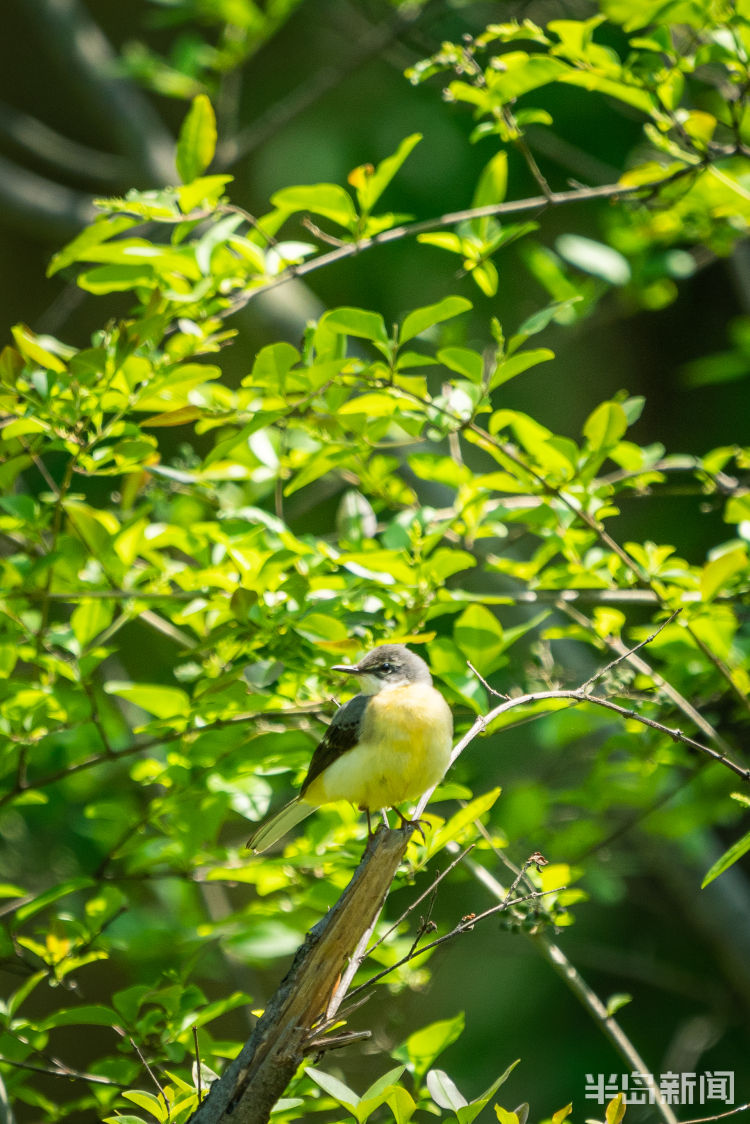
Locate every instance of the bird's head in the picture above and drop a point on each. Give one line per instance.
(391, 665)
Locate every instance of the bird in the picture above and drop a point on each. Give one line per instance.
(387, 745)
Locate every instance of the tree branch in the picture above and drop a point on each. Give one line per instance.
(254, 1081)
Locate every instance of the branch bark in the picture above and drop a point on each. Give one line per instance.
(251, 1085)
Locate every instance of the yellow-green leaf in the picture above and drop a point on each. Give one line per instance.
(718, 571)
(197, 140)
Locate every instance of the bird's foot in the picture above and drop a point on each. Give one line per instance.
(417, 824)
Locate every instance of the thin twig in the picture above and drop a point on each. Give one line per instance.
(719, 1115)
(451, 218)
(198, 1082)
(464, 926)
(149, 1070)
(430, 889)
(62, 1070)
(627, 654)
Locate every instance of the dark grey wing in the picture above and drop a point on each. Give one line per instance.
(341, 735)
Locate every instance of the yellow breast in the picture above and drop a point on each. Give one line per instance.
(404, 748)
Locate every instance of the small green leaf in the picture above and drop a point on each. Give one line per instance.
(423, 1046)
(615, 1002)
(152, 1104)
(516, 364)
(595, 258)
(90, 1015)
(89, 618)
(479, 635)
(504, 1116)
(718, 572)
(421, 319)
(464, 361)
(35, 349)
(558, 310)
(197, 141)
(729, 858)
(8, 890)
(461, 820)
(615, 1110)
(357, 322)
(374, 185)
(53, 895)
(605, 426)
(401, 1104)
(493, 182)
(164, 702)
(340, 1092)
(327, 199)
(443, 1090)
(562, 1113)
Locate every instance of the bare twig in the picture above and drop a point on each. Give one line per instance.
(451, 218)
(198, 1083)
(628, 653)
(464, 926)
(417, 901)
(719, 1115)
(60, 1069)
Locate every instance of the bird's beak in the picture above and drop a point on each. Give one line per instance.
(346, 669)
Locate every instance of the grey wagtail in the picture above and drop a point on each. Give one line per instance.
(387, 745)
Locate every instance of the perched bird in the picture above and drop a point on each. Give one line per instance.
(387, 745)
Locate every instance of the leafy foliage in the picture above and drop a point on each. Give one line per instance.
(177, 580)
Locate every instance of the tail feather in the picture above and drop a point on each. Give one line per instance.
(284, 820)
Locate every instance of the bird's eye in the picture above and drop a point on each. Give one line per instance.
(386, 667)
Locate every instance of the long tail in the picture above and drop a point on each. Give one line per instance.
(279, 825)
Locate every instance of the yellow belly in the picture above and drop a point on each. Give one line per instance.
(404, 749)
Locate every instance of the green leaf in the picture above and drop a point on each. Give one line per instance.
(470, 1112)
(718, 572)
(197, 141)
(617, 1001)
(35, 349)
(444, 1091)
(340, 1092)
(8, 890)
(562, 1113)
(164, 702)
(89, 618)
(479, 635)
(504, 1116)
(615, 1110)
(493, 182)
(100, 231)
(152, 1104)
(538, 321)
(327, 199)
(464, 361)
(423, 1046)
(605, 426)
(90, 1015)
(729, 858)
(379, 1092)
(401, 1104)
(516, 364)
(374, 185)
(421, 319)
(357, 322)
(594, 258)
(461, 820)
(53, 895)
(115, 278)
